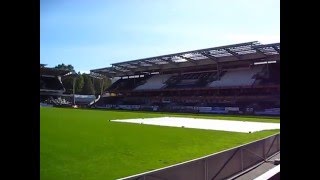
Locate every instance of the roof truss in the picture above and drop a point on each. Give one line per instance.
(236, 52)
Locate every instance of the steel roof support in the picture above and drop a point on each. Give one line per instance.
(124, 67)
(276, 48)
(233, 53)
(215, 59)
(152, 63)
(260, 52)
(188, 59)
(170, 61)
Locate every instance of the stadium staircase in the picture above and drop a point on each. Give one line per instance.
(94, 101)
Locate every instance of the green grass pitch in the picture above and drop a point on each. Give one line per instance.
(84, 144)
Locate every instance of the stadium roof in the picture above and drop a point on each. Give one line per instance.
(52, 71)
(237, 52)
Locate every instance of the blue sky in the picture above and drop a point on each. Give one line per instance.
(92, 34)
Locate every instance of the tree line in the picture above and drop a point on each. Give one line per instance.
(84, 83)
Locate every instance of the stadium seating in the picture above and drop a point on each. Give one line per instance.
(255, 75)
(50, 83)
(155, 82)
(270, 75)
(189, 80)
(237, 77)
(237, 88)
(127, 84)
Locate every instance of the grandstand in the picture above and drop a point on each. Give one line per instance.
(244, 77)
(51, 87)
(53, 93)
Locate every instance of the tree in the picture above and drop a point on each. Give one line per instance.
(79, 83)
(98, 82)
(65, 67)
(88, 87)
(68, 84)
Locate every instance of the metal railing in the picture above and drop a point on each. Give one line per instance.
(221, 165)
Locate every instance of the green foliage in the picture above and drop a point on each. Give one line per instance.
(88, 88)
(79, 84)
(84, 144)
(84, 83)
(65, 67)
(105, 82)
(68, 84)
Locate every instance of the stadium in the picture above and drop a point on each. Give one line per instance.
(204, 114)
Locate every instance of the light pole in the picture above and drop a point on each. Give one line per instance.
(101, 78)
(101, 86)
(74, 76)
(73, 89)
